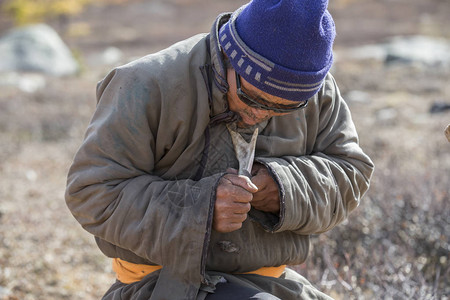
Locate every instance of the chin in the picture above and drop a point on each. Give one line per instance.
(241, 124)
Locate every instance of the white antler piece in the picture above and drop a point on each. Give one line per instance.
(245, 152)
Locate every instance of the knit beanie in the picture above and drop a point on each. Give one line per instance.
(282, 47)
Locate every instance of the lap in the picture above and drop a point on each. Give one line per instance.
(289, 286)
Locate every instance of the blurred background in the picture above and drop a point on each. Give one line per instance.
(392, 66)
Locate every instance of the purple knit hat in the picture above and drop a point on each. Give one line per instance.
(282, 47)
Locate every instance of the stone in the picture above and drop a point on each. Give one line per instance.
(4, 292)
(36, 48)
(386, 116)
(109, 57)
(418, 49)
(357, 96)
(423, 50)
(439, 107)
(26, 82)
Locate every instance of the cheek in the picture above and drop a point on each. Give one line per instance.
(253, 116)
(235, 104)
(249, 113)
(259, 114)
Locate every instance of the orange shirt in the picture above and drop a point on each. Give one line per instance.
(127, 272)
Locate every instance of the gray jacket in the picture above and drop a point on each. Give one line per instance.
(143, 182)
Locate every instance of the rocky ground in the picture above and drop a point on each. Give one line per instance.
(394, 246)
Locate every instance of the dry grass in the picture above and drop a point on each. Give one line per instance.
(396, 244)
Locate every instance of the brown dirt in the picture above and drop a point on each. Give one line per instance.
(394, 246)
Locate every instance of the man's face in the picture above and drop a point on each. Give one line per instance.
(250, 115)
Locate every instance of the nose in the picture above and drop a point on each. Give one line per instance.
(261, 114)
(255, 116)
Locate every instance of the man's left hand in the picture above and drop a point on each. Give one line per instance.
(267, 198)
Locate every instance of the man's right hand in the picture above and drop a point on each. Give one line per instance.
(233, 196)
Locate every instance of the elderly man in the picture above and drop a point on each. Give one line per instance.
(156, 181)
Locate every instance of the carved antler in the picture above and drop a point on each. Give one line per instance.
(245, 152)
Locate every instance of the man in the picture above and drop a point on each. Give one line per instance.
(155, 179)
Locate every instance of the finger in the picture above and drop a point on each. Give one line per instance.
(241, 207)
(228, 227)
(243, 182)
(229, 205)
(228, 193)
(262, 180)
(232, 171)
(257, 167)
(233, 219)
(230, 217)
(272, 207)
(239, 218)
(225, 222)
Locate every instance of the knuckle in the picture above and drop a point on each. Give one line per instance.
(220, 193)
(244, 208)
(218, 206)
(249, 197)
(227, 227)
(244, 198)
(238, 226)
(243, 218)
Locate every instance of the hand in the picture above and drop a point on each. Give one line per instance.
(267, 198)
(233, 196)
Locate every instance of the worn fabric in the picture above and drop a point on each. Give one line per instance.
(227, 291)
(144, 179)
(128, 272)
(289, 286)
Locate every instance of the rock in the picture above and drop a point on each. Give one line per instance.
(31, 175)
(428, 51)
(4, 292)
(28, 83)
(357, 97)
(386, 116)
(110, 56)
(438, 107)
(36, 48)
(367, 52)
(420, 49)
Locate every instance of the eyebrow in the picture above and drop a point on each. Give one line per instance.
(257, 97)
(265, 101)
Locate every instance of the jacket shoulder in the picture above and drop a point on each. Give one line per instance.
(165, 70)
(180, 55)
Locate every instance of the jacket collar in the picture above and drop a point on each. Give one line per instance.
(219, 88)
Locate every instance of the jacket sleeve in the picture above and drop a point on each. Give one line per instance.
(318, 190)
(114, 194)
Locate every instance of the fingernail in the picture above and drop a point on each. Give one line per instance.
(252, 185)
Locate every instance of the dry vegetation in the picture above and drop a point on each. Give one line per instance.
(394, 246)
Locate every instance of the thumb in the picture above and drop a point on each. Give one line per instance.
(243, 182)
(232, 171)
